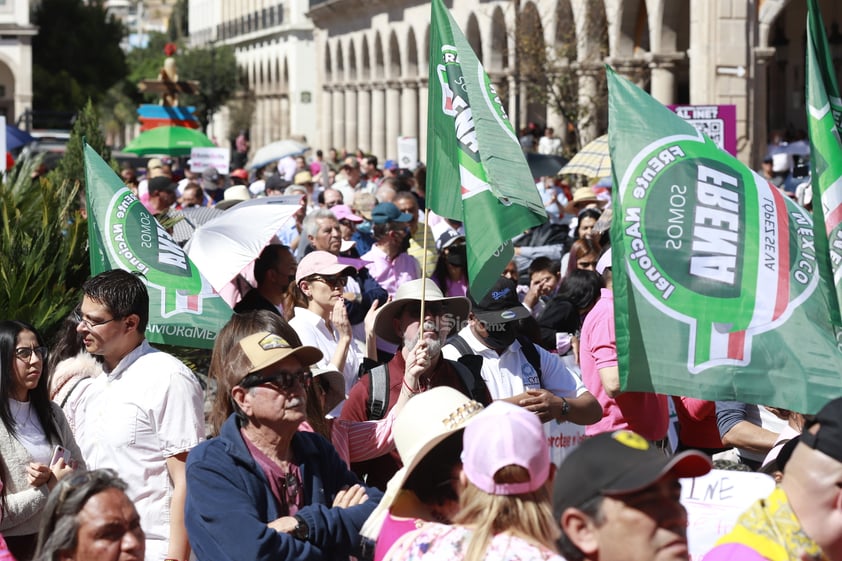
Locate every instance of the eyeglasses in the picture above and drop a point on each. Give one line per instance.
(332, 204)
(333, 281)
(281, 381)
(78, 318)
(25, 353)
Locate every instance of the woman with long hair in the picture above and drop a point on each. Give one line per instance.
(32, 429)
(354, 441)
(584, 254)
(504, 504)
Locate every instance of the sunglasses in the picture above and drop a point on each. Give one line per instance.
(281, 381)
(432, 308)
(333, 281)
(25, 353)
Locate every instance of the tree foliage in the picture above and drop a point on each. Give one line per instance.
(86, 128)
(76, 54)
(43, 240)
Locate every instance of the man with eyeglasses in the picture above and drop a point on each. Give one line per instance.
(145, 413)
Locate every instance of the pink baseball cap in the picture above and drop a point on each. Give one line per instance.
(344, 212)
(504, 434)
(320, 263)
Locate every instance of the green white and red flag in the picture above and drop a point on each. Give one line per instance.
(183, 308)
(477, 172)
(716, 279)
(824, 110)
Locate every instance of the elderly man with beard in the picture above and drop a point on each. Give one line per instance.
(399, 322)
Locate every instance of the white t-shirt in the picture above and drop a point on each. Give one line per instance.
(149, 408)
(313, 331)
(510, 374)
(29, 431)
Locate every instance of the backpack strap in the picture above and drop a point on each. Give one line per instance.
(469, 368)
(460, 345)
(532, 356)
(378, 392)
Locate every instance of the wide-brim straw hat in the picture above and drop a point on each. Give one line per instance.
(424, 422)
(415, 291)
(581, 198)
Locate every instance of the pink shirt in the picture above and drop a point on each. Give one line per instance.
(645, 413)
(358, 441)
(391, 273)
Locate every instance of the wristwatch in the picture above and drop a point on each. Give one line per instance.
(565, 407)
(302, 530)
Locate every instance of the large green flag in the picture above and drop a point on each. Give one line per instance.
(824, 109)
(715, 271)
(477, 172)
(183, 309)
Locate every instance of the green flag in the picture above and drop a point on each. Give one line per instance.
(823, 104)
(183, 309)
(477, 172)
(715, 271)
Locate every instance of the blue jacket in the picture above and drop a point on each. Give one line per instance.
(229, 502)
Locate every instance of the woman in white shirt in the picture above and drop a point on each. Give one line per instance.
(320, 318)
(31, 429)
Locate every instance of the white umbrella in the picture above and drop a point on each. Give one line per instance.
(277, 150)
(227, 245)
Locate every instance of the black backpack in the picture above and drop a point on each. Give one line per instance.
(529, 351)
(467, 367)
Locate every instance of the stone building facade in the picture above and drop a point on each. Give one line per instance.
(364, 63)
(16, 32)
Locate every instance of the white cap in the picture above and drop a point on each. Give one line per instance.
(604, 261)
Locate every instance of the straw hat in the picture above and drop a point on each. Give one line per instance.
(336, 385)
(412, 292)
(583, 197)
(424, 422)
(234, 195)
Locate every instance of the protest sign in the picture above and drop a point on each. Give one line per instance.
(204, 158)
(717, 122)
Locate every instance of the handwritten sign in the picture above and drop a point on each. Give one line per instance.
(715, 501)
(203, 158)
(408, 152)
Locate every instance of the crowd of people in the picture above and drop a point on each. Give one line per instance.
(364, 403)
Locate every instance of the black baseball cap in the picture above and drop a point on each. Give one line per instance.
(828, 437)
(500, 305)
(618, 463)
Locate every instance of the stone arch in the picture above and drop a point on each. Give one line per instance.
(351, 67)
(425, 51)
(411, 70)
(340, 62)
(530, 57)
(472, 33)
(498, 58)
(365, 61)
(393, 69)
(379, 68)
(328, 65)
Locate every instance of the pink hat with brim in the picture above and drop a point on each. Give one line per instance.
(344, 212)
(321, 263)
(504, 434)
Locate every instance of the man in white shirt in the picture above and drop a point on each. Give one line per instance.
(144, 414)
(552, 393)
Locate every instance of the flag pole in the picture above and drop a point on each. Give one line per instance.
(424, 269)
